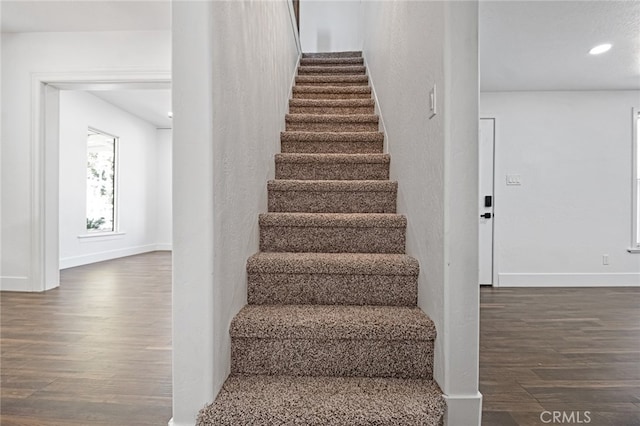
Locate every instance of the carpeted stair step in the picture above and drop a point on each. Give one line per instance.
(331, 122)
(331, 142)
(332, 196)
(331, 92)
(325, 401)
(333, 166)
(332, 232)
(332, 61)
(332, 279)
(348, 54)
(331, 106)
(332, 340)
(332, 80)
(331, 69)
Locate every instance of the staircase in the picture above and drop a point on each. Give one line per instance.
(332, 334)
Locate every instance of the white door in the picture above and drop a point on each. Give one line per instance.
(486, 202)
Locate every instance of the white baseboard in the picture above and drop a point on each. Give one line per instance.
(86, 259)
(377, 110)
(172, 423)
(463, 410)
(164, 247)
(14, 284)
(615, 279)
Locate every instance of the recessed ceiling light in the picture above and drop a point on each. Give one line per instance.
(170, 114)
(601, 48)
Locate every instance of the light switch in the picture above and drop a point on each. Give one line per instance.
(432, 102)
(514, 180)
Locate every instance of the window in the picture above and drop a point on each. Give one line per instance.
(101, 182)
(635, 238)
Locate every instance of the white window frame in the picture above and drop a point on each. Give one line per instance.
(116, 190)
(635, 184)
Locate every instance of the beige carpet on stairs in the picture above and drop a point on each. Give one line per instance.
(332, 334)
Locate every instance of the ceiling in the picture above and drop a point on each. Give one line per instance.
(544, 45)
(524, 45)
(152, 106)
(83, 15)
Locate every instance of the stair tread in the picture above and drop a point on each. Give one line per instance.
(334, 220)
(332, 322)
(332, 118)
(332, 401)
(332, 102)
(309, 185)
(333, 263)
(299, 136)
(333, 158)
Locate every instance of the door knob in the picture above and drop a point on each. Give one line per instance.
(486, 215)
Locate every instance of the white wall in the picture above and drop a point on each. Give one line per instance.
(139, 189)
(220, 173)
(408, 48)
(573, 153)
(163, 208)
(25, 56)
(330, 26)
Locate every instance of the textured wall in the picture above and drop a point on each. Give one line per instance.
(410, 47)
(573, 153)
(233, 64)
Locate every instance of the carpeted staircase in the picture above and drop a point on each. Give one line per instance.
(332, 334)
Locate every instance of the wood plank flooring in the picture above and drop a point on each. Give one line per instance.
(95, 351)
(560, 349)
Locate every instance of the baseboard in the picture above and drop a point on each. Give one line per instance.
(377, 110)
(14, 284)
(614, 279)
(173, 423)
(463, 410)
(164, 247)
(70, 262)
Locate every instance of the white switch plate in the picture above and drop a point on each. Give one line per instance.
(433, 102)
(514, 180)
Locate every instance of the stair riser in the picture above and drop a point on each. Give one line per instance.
(373, 147)
(331, 83)
(331, 70)
(310, 357)
(331, 110)
(332, 202)
(304, 95)
(331, 61)
(332, 171)
(309, 126)
(333, 55)
(332, 239)
(332, 289)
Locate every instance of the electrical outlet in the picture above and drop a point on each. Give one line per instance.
(605, 259)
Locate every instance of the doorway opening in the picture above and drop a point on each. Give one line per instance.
(46, 144)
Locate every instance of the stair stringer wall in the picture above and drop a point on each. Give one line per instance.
(435, 160)
(250, 53)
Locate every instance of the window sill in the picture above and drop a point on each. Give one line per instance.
(100, 235)
(634, 250)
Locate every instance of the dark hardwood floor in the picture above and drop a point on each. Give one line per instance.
(95, 351)
(560, 349)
